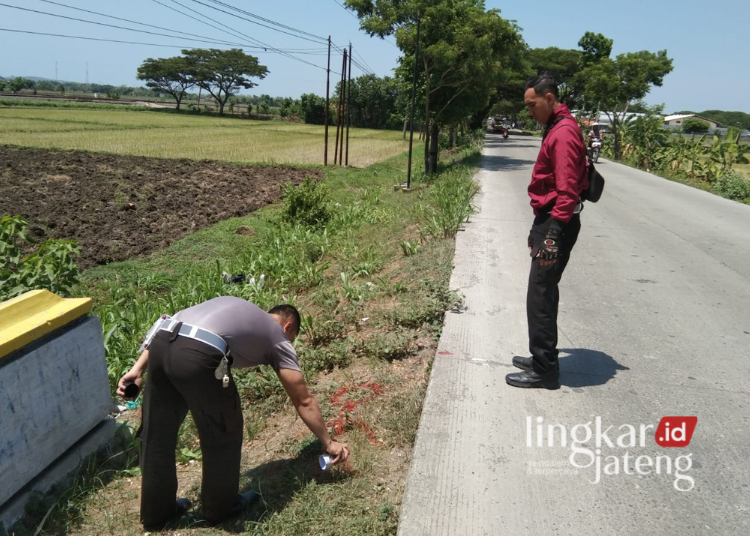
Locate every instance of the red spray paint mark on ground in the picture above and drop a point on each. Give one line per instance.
(346, 416)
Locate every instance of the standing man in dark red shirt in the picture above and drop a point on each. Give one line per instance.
(557, 181)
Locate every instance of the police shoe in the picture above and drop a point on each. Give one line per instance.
(530, 379)
(182, 505)
(524, 363)
(243, 501)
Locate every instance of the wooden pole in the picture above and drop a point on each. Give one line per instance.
(328, 85)
(348, 104)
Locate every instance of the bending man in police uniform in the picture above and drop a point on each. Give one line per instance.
(558, 178)
(188, 359)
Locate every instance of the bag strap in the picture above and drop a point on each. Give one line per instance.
(555, 122)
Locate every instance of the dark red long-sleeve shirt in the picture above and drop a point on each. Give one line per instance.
(559, 175)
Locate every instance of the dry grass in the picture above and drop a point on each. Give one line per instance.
(744, 169)
(170, 135)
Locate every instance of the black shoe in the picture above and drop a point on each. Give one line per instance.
(243, 501)
(530, 379)
(181, 506)
(524, 363)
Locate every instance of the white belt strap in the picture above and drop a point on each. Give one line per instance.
(167, 323)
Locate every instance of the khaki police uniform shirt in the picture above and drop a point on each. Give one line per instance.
(253, 336)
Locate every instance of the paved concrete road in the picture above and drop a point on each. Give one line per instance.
(654, 321)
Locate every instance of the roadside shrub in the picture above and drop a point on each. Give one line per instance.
(732, 186)
(52, 266)
(257, 383)
(307, 203)
(450, 204)
(325, 358)
(388, 346)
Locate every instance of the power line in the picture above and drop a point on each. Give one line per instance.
(231, 31)
(318, 40)
(342, 6)
(267, 20)
(132, 21)
(274, 23)
(355, 62)
(99, 39)
(363, 60)
(91, 38)
(115, 26)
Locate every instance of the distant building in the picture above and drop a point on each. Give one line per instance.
(676, 121)
(605, 125)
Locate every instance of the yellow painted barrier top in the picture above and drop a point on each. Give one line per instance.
(32, 315)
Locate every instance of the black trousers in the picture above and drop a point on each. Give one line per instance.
(181, 378)
(543, 295)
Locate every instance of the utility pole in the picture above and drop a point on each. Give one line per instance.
(338, 112)
(413, 97)
(343, 107)
(328, 84)
(348, 103)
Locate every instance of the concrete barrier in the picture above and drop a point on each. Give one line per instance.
(54, 388)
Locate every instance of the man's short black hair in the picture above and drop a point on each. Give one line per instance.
(543, 84)
(288, 312)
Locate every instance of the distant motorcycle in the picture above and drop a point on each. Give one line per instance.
(595, 147)
(505, 133)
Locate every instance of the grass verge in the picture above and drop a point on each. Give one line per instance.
(368, 266)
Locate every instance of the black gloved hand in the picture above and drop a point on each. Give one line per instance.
(531, 239)
(551, 243)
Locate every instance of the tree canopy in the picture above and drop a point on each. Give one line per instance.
(173, 76)
(223, 72)
(611, 85)
(693, 125)
(462, 50)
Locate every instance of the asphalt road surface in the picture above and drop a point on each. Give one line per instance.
(654, 322)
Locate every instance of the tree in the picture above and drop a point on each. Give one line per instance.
(595, 47)
(372, 102)
(173, 76)
(614, 84)
(223, 72)
(693, 125)
(2, 85)
(288, 107)
(313, 108)
(462, 48)
(563, 65)
(17, 84)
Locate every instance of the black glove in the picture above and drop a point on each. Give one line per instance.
(531, 238)
(551, 243)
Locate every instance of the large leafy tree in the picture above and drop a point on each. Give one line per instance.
(462, 49)
(173, 76)
(563, 65)
(17, 84)
(372, 102)
(693, 125)
(595, 48)
(224, 72)
(614, 84)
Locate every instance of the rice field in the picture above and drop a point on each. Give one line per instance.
(170, 135)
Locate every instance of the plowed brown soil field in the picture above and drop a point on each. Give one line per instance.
(118, 207)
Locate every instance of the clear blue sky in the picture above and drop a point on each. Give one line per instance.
(708, 41)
